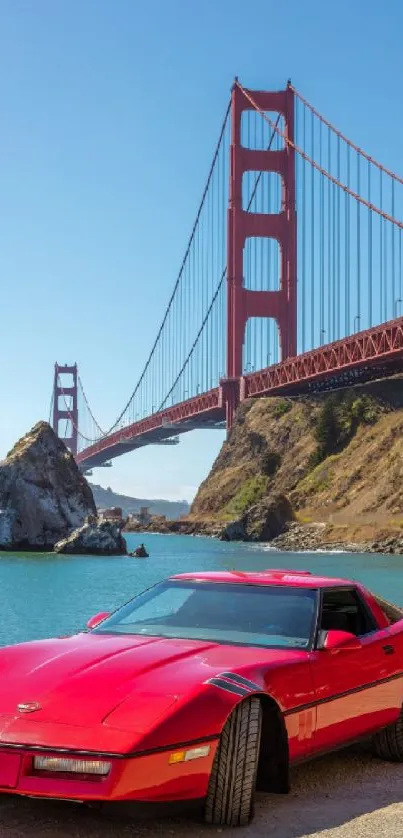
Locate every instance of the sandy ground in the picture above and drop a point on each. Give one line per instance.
(347, 794)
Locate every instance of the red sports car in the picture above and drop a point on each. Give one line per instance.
(201, 689)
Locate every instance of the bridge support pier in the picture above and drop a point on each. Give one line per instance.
(68, 413)
(230, 398)
(243, 303)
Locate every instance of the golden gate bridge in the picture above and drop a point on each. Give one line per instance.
(291, 281)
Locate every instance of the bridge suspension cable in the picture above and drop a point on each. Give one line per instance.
(210, 328)
(257, 178)
(342, 137)
(336, 181)
(87, 404)
(87, 423)
(195, 286)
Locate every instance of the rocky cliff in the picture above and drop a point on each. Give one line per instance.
(321, 469)
(43, 495)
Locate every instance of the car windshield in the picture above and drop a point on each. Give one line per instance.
(273, 617)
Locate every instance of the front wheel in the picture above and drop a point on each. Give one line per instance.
(388, 743)
(231, 791)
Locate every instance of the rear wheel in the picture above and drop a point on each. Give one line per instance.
(231, 792)
(388, 743)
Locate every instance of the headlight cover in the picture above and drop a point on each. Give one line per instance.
(68, 765)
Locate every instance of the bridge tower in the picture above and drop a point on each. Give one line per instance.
(62, 410)
(243, 303)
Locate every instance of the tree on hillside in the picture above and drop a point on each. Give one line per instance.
(327, 431)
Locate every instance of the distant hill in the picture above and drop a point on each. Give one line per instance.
(104, 498)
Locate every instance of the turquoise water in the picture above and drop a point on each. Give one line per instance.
(44, 595)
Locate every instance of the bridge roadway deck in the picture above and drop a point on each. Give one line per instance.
(373, 353)
(203, 411)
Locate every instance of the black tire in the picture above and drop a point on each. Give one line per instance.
(231, 791)
(388, 743)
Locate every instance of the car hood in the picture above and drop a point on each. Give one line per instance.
(80, 680)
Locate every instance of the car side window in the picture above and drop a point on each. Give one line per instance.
(343, 610)
(392, 612)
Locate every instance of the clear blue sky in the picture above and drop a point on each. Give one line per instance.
(109, 113)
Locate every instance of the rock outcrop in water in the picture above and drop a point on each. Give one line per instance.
(97, 538)
(43, 495)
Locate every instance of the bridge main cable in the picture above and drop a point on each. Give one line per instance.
(344, 138)
(318, 167)
(175, 289)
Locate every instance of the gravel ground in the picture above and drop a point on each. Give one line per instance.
(348, 794)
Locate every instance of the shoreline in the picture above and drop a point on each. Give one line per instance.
(296, 537)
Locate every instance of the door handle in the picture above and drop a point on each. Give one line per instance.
(389, 650)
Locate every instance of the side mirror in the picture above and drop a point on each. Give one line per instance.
(338, 640)
(97, 619)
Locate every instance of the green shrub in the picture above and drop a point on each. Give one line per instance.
(281, 407)
(247, 495)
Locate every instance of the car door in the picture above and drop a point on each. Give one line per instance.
(356, 690)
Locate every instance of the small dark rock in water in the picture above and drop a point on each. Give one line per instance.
(140, 553)
(103, 538)
(43, 495)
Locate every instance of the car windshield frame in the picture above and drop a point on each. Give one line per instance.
(109, 626)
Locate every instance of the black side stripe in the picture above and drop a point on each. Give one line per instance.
(239, 679)
(230, 688)
(371, 685)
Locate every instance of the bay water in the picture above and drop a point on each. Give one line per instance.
(45, 595)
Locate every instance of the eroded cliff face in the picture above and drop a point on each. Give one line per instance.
(43, 495)
(267, 452)
(334, 460)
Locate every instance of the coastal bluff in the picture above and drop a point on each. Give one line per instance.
(329, 465)
(321, 471)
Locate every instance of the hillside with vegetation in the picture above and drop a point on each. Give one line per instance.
(318, 470)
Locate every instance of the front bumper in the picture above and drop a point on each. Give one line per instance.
(143, 778)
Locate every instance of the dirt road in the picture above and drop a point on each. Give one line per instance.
(348, 795)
